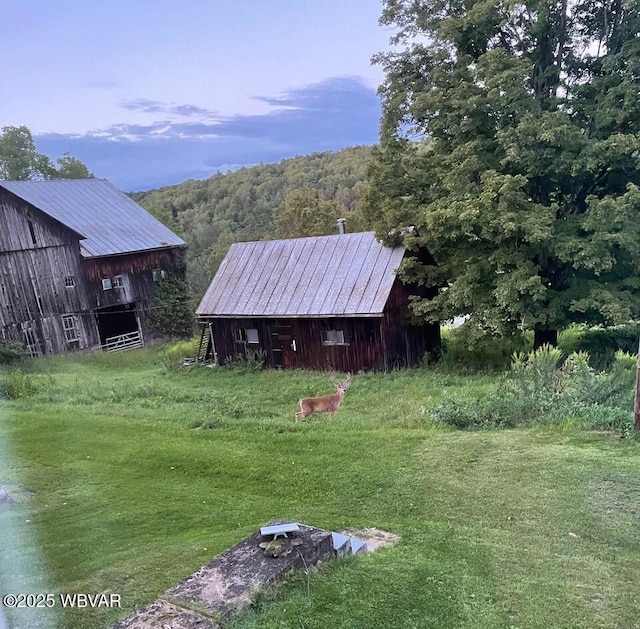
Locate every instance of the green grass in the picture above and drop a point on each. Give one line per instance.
(130, 496)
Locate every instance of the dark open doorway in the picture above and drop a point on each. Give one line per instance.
(116, 320)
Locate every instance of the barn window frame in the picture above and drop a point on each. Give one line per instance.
(32, 232)
(70, 327)
(107, 284)
(31, 340)
(69, 281)
(117, 281)
(159, 274)
(335, 337)
(248, 336)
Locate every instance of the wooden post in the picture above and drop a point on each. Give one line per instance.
(636, 410)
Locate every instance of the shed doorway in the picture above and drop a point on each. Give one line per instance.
(117, 321)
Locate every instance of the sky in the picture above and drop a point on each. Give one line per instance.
(151, 93)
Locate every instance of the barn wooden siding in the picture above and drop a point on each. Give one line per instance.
(49, 282)
(37, 256)
(136, 271)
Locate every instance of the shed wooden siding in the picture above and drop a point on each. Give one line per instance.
(374, 343)
(362, 352)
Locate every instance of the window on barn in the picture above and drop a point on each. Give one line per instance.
(159, 274)
(70, 328)
(335, 337)
(30, 339)
(106, 283)
(117, 282)
(246, 335)
(70, 281)
(32, 231)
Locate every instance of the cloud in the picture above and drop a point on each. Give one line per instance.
(330, 115)
(107, 82)
(147, 106)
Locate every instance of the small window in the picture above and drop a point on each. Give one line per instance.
(246, 335)
(30, 339)
(70, 329)
(32, 232)
(335, 337)
(159, 274)
(117, 282)
(70, 281)
(106, 283)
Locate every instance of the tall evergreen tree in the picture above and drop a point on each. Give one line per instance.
(511, 143)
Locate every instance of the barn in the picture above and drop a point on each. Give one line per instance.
(326, 303)
(79, 265)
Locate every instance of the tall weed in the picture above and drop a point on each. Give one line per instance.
(17, 384)
(540, 387)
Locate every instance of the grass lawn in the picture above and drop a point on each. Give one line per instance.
(128, 478)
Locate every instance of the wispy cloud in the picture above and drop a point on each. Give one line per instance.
(147, 106)
(324, 116)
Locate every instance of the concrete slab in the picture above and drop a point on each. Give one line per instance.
(231, 580)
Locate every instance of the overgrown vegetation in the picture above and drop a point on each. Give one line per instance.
(540, 386)
(138, 475)
(10, 352)
(173, 315)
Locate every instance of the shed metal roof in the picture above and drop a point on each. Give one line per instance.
(110, 221)
(325, 276)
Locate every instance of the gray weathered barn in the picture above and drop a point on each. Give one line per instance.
(79, 261)
(329, 302)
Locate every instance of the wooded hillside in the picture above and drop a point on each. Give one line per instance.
(296, 197)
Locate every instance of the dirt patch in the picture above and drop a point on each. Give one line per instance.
(375, 538)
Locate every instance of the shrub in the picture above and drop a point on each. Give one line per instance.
(10, 352)
(600, 343)
(539, 387)
(173, 316)
(471, 347)
(251, 360)
(173, 354)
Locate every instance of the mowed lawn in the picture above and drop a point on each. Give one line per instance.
(131, 477)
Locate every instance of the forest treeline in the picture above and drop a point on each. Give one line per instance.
(302, 196)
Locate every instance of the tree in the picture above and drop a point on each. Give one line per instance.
(304, 213)
(70, 167)
(19, 159)
(510, 142)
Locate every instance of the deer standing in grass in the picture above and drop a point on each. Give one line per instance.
(325, 404)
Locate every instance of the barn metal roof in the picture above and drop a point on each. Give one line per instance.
(110, 221)
(325, 276)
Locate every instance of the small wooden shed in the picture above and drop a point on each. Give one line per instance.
(328, 302)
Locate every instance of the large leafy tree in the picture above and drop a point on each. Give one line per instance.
(510, 142)
(304, 213)
(19, 159)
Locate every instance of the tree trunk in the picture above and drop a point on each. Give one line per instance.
(542, 337)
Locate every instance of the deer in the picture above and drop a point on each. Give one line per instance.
(325, 404)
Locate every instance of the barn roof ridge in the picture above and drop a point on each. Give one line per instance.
(110, 222)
